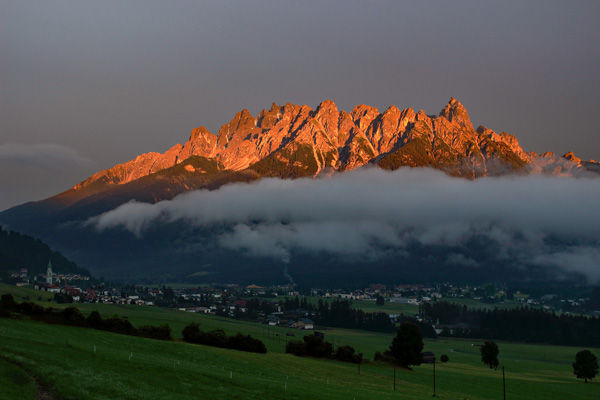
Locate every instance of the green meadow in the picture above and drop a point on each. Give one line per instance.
(80, 363)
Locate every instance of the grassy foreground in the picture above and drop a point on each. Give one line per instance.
(79, 363)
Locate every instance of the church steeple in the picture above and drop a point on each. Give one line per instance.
(49, 273)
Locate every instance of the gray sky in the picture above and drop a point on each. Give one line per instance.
(87, 85)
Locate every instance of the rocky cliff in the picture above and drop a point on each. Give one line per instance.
(293, 140)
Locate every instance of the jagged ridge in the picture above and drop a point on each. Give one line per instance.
(292, 141)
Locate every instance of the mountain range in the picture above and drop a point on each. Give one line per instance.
(287, 142)
(293, 141)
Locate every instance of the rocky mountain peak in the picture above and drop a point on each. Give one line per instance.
(571, 157)
(267, 119)
(327, 114)
(199, 132)
(295, 140)
(455, 112)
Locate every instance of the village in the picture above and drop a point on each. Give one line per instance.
(272, 305)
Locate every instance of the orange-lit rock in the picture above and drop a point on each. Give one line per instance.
(336, 140)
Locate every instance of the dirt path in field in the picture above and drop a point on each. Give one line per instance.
(42, 392)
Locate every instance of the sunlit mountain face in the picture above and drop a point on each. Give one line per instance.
(324, 197)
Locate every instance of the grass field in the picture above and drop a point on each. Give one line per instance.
(367, 305)
(81, 363)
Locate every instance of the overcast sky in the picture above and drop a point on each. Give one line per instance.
(87, 85)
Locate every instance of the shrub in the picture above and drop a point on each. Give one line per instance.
(62, 298)
(31, 309)
(7, 302)
(120, 325)
(94, 320)
(218, 338)
(317, 347)
(246, 343)
(162, 332)
(72, 316)
(385, 357)
(444, 358)
(345, 353)
(295, 347)
(190, 331)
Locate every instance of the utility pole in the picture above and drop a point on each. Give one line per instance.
(503, 383)
(394, 378)
(433, 378)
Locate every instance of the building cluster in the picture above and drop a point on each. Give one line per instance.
(53, 281)
(232, 300)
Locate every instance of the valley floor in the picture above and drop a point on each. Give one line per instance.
(81, 363)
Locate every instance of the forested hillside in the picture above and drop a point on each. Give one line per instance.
(22, 251)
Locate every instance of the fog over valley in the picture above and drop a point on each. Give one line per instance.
(369, 214)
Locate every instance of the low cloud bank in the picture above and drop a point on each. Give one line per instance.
(43, 155)
(368, 212)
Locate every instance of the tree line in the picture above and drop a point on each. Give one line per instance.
(522, 324)
(316, 346)
(73, 317)
(218, 338)
(340, 314)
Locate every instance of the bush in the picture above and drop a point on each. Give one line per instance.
(72, 316)
(444, 358)
(317, 347)
(295, 347)
(190, 331)
(246, 343)
(345, 353)
(385, 357)
(7, 305)
(7, 302)
(217, 338)
(120, 325)
(162, 332)
(31, 309)
(62, 298)
(94, 320)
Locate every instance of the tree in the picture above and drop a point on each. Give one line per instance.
(444, 358)
(489, 354)
(585, 365)
(407, 345)
(380, 301)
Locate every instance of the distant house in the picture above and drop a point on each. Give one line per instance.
(303, 323)
(441, 329)
(403, 300)
(428, 357)
(46, 287)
